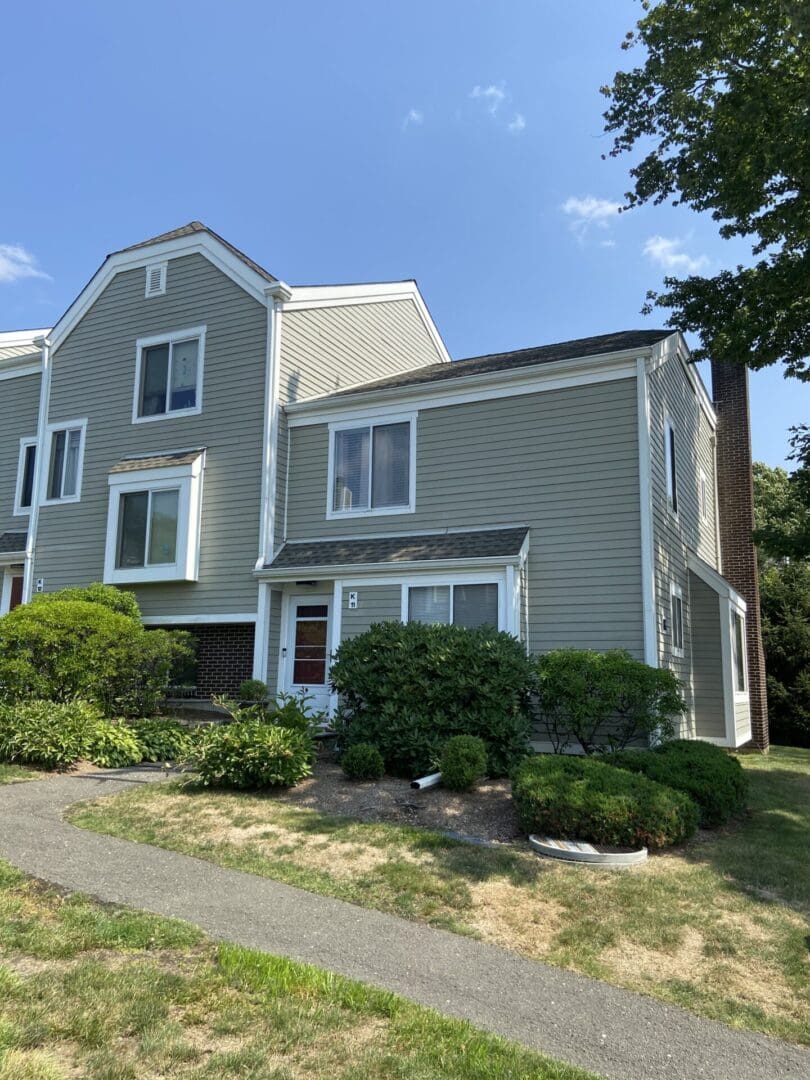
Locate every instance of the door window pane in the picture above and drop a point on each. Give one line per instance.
(475, 605)
(29, 461)
(155, 378)
(74, 439)
(429, 604)
(351, 470)
(57, 465)
(134, 507)
(184, 375)
(310, 653)
(163, 528)
(391, 465)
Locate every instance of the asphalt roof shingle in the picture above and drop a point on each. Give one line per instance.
(494, 362)
(198, 227)
(475, 544)
(12, 542)
(157, 461)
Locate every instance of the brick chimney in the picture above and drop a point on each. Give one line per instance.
(735, 485)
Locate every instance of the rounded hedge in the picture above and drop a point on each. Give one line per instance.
(409, 687)
(60, 650)
(55, 735)
(250, 754)
(463, 762)
(710, 776)
(162, 739)
(580, 798)
(363, 762)
(252, 690)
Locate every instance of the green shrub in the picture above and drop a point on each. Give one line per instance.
(118, 600)
(604, 700)
(56, 735)
(252, 690)
(59, 650)
(363, 762)
(251, 754)
(408, 687)
(162, 739)
(580, 798)
(715, 780)
(463, 761)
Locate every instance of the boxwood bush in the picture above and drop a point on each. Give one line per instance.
(463, 762)
(251, 754)
(408, 687)
(162, 739)
(62, 649)
(715, 780)
(363, 762)
(54, 735)
(580, 798)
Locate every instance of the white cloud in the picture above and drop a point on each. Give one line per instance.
(493, 96)
(516, 124)
(589, 212)
(17, 263)
(413, 118)
(666, 252)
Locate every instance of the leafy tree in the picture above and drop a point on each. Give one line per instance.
(719, 107)
(782, 514)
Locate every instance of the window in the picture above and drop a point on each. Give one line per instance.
(671, 466)
(704, 496)
(168, 375)
(153, 524)
(24, 493)
(155, 279)
(738, 651)
(371, 467)
(65, 454)
(676, 618)
(467, 605)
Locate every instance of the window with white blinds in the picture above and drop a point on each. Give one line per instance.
(462, 605)
(372, 467)
(65, 449)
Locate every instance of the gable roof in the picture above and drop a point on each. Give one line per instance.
(191, 229)
(602, 344)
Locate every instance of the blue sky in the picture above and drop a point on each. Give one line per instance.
(458, 142)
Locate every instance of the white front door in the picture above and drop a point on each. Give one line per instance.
(307, 649)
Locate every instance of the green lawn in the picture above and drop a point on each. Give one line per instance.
(719, 926)
(102, 993)
(10, 774)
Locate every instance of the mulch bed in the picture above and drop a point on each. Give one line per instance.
(485, 813)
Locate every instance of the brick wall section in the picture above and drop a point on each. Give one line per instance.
(735, 484)
(224, 656)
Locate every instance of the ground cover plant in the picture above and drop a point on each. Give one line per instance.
(162, 739)
(250, 755)
(706, 773)
(102, 993)
(408, 687)
(718, 926)
(55, 735)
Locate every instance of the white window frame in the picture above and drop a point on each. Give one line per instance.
(370, 423)
(161, 268)
(675, 591)
(187, 479)
(169, 339)
(19, 509)
(734, 614)
(671, 466)
(451, 580)
(703, 495)
(50, 430)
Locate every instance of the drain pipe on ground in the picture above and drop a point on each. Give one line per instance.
(427, 781)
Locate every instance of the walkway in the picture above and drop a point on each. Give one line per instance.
(613, 1032)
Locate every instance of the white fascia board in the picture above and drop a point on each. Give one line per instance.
(466, 388)
(11, 371)
(8, 558)
(322, 296)
(197, 244)
(386, 569)
(715, 581)
(11, 338)
(675, 345)
(197, 620)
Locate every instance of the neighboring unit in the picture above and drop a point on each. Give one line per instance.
(276, 468)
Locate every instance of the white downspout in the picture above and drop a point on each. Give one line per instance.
(646, 519)
(39, 468)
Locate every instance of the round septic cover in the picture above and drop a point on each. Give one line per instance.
(583, 852)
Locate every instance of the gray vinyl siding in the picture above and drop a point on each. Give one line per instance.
(274, 640)
(331, 348)
(375, 603)
(564, 462)
(707, 661)
(19, 404)
(707, 530)
(742, 719)
(93, 377)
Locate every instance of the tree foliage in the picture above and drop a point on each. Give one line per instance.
(719, 108)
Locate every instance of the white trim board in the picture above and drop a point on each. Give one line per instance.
(324, 573)
(16, 372)
(197, 620)
(715, 580)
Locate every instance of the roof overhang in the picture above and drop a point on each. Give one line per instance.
(663, 351)
(326, 573)
(715, 581)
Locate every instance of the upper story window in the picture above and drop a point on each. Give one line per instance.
(24, 493)
(168, 375)
(371, 467)
(676, 618)
(155, 279)
(703, 494)
(670, 465)
(153, 519)
(65, 447)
